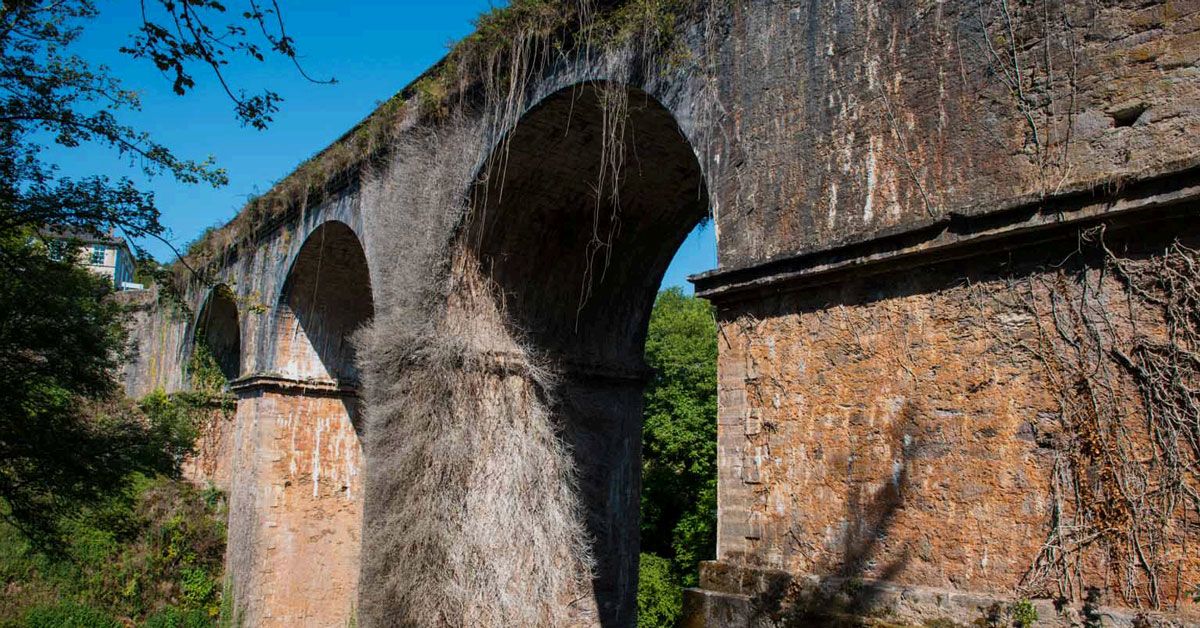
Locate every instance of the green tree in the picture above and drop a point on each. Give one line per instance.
(679, 442)
(65, 442)
(51, 95)
(659, 598)
(67, 439)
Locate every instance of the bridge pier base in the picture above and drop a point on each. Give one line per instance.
(295, 507)
(601, 419)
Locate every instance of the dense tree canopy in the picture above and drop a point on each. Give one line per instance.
(66, 439)
(679, 450)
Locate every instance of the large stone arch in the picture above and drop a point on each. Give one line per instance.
(522, 410)
(295, 514)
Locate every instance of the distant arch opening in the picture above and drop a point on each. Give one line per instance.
(325, 299)
(216, 351)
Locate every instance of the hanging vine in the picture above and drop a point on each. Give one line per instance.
(1030, 48)
(1117, 338)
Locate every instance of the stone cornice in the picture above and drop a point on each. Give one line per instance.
(292, 386)
(1022, 222)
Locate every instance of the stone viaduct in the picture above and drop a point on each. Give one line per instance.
(957, 312)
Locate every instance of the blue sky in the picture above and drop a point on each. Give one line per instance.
(372, 48)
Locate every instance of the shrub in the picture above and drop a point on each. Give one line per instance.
(1024, 614)
(660, 600)
(172, 617)
(68, 615)
(154, 553)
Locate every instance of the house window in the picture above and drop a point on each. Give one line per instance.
(57, 250)
(97, 255)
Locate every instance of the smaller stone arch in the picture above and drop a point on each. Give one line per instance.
(325, 298)
(218, 332)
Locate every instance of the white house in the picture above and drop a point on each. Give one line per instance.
(106, 255)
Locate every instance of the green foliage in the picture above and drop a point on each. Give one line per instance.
(198, 589)
(92, 528)
(679, 437)
(173, 422)
(679, 455)
(153, 553)
(67, 441)
(1023, 614)
(203, 370)
(659, 598)
(92, 525)
(172, 617)
(68, 615)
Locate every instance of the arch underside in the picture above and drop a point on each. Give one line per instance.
(580, 217)
(325, 299)
(521, 434)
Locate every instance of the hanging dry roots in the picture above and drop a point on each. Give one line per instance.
(1118, 341)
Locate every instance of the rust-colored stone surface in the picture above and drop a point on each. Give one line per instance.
(908, 428)
(295, 510)
(212, 460)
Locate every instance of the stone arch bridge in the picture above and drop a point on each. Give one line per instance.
(930, 217)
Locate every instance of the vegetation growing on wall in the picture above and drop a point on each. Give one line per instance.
(1117, 337)
(490, 70)
(477, 442)
(444, 349)
(1031, 50)
(204, 374)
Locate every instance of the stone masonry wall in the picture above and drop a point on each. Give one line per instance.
(879, 427)
(295, 510)
(910, 428)
(846, 120)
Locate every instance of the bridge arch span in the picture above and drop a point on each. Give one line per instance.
(296, 507)
(522, 411)
(325, 297)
